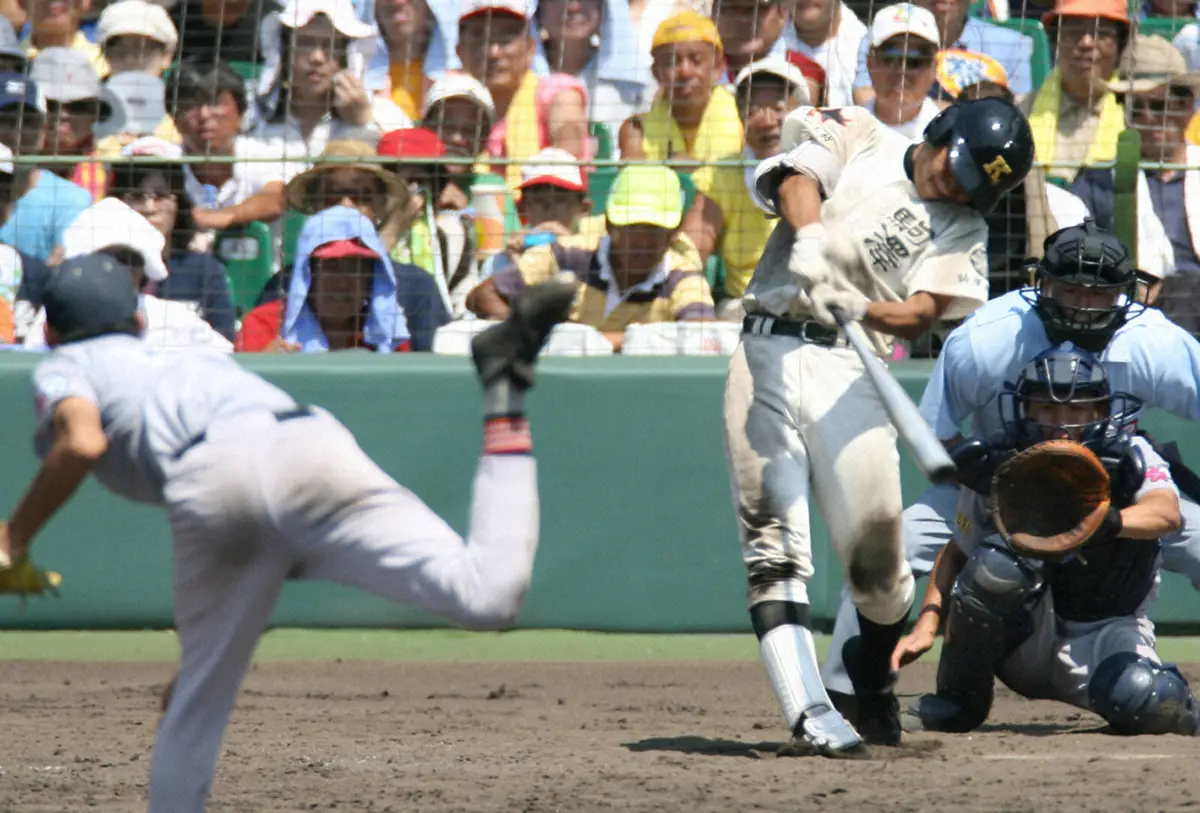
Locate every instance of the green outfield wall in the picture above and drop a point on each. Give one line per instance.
(637, 524)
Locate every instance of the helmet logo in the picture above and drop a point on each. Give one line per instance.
(997, 169)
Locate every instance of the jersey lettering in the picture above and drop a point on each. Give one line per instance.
(897, 239)
(1156, 474)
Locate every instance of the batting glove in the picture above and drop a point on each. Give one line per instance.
(808, 264)
(825, 296)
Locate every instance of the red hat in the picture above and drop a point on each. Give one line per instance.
(411, 142)
(809, 67)
(338, 249)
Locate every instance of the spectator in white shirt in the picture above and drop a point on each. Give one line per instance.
(904, 43)
(827, 32)
(209, 105)
(313, 91)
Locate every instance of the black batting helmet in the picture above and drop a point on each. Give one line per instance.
(1084, 257)
(991, 147)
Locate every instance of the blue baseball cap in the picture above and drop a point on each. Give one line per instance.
(90, 295)
(16, 89)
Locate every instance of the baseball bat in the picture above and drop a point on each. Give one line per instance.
(1125, 204)
(932, 458)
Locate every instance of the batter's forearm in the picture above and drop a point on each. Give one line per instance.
(908, 319)
(799, 201)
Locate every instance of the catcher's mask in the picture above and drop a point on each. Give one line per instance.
(1065, 374)
(1097, 265)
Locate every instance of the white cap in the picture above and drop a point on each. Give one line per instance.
(139, 102)
(112, 223)
(904, 18)
(298, 13)
(151, 147)
(780, 67)
(458, 85)
(6, 162)
(137, 18)
(519, 8)
(565, 175)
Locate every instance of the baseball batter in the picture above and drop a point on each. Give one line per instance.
(1072, 629)
(1084, 293)
(260, 490)
(891, 233)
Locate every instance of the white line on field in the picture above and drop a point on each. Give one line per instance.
(1119, 757)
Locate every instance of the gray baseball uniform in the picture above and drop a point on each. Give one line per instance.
(259, 491)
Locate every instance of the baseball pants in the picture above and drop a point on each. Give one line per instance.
(262, 501)
(801, 418)
(927, 527)
(1058, 660)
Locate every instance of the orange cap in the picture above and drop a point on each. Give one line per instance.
(1108, 9)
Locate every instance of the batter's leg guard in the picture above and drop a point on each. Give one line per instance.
(990, 616)
(790, 657)
(509, 349)
(1135, 695)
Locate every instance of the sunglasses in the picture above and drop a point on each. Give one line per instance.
(906, 60)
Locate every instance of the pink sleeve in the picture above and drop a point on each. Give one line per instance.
(548, 88)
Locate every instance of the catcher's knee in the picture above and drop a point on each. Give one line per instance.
(1135, 695)
(995, 582)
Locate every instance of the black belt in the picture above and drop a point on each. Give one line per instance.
(808, 330)
(281, 416)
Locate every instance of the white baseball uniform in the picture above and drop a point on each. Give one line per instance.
(1149, 357)
(800, 414)
(1057, 661)
(259, 491)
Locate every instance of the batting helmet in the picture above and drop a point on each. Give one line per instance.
(1084, 257)
(991, 147)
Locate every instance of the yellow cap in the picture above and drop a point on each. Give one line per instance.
(645, 194)
(686, 26)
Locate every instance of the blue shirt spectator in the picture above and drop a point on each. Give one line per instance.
(42, 214)
(201, 279)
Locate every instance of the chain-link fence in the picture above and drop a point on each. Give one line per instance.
(327, 174)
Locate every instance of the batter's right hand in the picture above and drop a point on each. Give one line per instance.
(807, 263)
(912, 646)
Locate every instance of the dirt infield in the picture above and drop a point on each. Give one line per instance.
(561, 737)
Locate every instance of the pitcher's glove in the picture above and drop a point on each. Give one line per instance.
(23, 578)
(1049, 500)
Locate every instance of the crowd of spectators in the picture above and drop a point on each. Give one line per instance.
(308, 175)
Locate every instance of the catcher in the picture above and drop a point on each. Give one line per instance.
(1053, 562)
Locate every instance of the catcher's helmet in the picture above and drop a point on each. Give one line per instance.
(991, 147)
(1065, 374)
(1084, 257)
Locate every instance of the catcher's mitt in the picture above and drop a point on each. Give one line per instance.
(23, 578)
(1050, 499)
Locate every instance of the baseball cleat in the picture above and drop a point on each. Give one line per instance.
(825, 734)
(933, 712)
(878, 718)
(511, 347)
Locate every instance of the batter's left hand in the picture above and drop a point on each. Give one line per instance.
(825, 296)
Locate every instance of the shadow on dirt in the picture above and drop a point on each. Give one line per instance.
(704, 746)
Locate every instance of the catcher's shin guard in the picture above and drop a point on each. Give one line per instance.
(1135, 695)
(990, 616)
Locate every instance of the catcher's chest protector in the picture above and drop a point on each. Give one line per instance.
(1112, 577)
